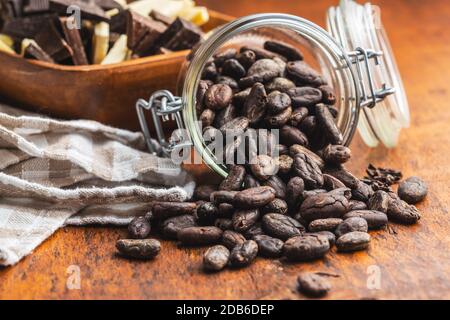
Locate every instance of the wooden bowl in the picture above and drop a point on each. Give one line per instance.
(106, 93)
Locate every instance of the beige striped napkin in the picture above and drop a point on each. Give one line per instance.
(74, 172)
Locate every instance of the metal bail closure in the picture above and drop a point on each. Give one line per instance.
(164, 106)
(369, 95)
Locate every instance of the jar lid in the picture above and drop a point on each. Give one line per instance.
(359, 26)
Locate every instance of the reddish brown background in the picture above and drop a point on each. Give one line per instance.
(414, 261)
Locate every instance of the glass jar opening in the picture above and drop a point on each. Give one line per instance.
(319, 49)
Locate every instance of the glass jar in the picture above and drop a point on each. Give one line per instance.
(354, 57)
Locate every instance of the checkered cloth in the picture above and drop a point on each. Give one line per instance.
(54, 173)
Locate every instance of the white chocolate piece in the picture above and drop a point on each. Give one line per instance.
(100, 42)
(5, 48)
(170, 8)
(7, 40)
(197, 15)
(118, 52)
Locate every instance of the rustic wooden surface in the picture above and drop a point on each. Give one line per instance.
(414, 261)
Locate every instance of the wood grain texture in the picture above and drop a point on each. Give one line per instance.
(414, 260)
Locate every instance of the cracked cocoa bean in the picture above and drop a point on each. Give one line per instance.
(327, 123)
(307, 169)
(231, 239)
(328, 96)
(306, 247)
(171, 226)
(222, 196)
(234, 180)
(276, 206)
(216, 258)
(279, 84)
(400, 211)
(296, 148)
(331, 183)
(280, 119)
(233, 68)
(278, 185)
(304, 96)
(294, 191)
(263, 167)
(291, 135)
(139, 248)
(246, 58)
(412, 190)
(255, 104)
(207, 213)
(336, 154)
(269, 247)
(379, 201)
(139, 228)
(218, 96)
(329, 224)
(353, 241)
(324, 206)
(164, 210)
(254, 197)
(281, 226)
(340, 173)
(356, 205)
(350, 225)
(277, 102)
(302, 74)
(375, 219)
(244, 254)
(285, 163)
(297, 116)
(313, 285)
(207, 117)
(200, 235)
(244, 219)
(362, 192)
(262, 70)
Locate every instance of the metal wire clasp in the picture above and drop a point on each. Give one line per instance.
(369, 96)
(163, 106)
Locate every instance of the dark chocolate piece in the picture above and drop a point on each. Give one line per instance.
(180, 35)
(36, 6)
(33, 51)
(142, 33)
(26, 27)
(118, 22)
(73, 39)
(50, 40)
(107, 4)
(88, 10)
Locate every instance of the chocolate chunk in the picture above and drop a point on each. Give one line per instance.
(50, 40)
(36, 6)
(180, 35)
(73, 39)
(26, 27)
(88, 10)
(143, 33)
(118, 22)
(33, 51)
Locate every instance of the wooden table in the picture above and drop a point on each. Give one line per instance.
(413, 261)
